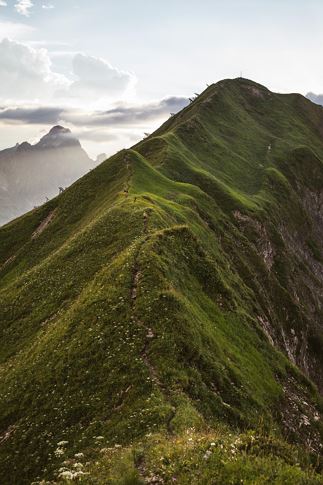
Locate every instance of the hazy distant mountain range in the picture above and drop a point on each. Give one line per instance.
(31, 173)
(315, 98)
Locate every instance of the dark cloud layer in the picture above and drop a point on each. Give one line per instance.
(131, 115)
(116, 117)
(145, 113)
(42, 115)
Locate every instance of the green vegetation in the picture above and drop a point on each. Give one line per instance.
(193, 458)
(175, 295)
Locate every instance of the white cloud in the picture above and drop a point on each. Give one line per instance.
(87, 80)
(28, 68)
(96, 78)
(23, 7)
(48, 6)
(3, 3)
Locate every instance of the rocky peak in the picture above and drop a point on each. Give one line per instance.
(59, 130)
(57, 137)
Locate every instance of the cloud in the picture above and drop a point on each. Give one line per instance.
(31, 115)
(23, 7)
(87, 79)
(315, 98)
(3, 3)
(45, 97)
(28, 68)
(97, 136)
(96, 78)
(134, 115)
(112, 129)
(120, 116)
(48, 6)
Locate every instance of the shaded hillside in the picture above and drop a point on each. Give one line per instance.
(177, 288)
(31, 173)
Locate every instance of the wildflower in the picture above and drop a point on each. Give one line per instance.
(207, 455)
(59, 452)
(79, 455)
(68, 475)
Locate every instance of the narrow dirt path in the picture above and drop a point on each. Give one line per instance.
(150, 335)
(41, 228)
(129, 169)
(37, 232)
(134, 293)
(8, 433)
(137, 274)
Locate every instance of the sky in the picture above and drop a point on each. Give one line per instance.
(112, 71)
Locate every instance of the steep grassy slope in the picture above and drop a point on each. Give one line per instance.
(173, 288)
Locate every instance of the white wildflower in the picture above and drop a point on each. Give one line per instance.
(68, 475)
(59, 452)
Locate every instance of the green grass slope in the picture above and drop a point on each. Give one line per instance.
(161, 319)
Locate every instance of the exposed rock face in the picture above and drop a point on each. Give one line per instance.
(262, 242)
(31, 173)
(303, 280)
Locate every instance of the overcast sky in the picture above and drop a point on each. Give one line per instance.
(114, 69)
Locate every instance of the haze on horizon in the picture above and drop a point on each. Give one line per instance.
(111, 71)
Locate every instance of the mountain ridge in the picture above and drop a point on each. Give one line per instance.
(174, 289)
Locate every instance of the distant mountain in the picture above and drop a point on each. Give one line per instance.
(31, 173)
(101, 158)
(315, 98)
(161, 321)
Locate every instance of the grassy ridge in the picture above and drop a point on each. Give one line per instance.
(165, 295)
